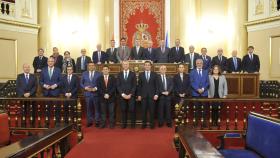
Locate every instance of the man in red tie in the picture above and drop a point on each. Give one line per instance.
(107, 91)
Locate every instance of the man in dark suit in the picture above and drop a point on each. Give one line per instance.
(50, 81)
(251, 61)
(26, 86)
(165, 89)
(126, 85)
(206, 59)
(123, 51)
(58, 59)
(107, 91)
(40, 61)
(148, 93)
(89, 85)
(69, 88)
(199, 85)
(191, 58)
(220, 60)
(137, 52)
(111, 53)
(162, 54)
(150, 52)
(82, 61)
(177, 53)
(181, 86)
(99, 56)
(234, 63)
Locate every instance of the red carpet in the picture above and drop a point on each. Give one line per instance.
(125, 143)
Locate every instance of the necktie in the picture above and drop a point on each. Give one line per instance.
(220, 58)
(164, 82)
(147, 75)
(177, 49)
(40, 58)
(83, 63)
(162, 49)
(200, 74)
(106, 80)
(235, 63)
(182, 79)
(251, 57)
(69, 79)
(112, 50)
(99, 56)
(91, 75)
(191, 58)
(50, 72)
(122, 53)
(125, 75)
(26, 78)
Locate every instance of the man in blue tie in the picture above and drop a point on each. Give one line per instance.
(234, 63)
(26, 86)
(89, 84)
(206, 59)
(199, 84)
(82, 61)
(147, 93)
(251, 61)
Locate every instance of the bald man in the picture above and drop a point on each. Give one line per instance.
(26, 83)
(82, 61)
(99, 56)
(234, 63)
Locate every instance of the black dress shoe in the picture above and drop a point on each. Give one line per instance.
(160, 124)
(103, 126)
(152, 126)
(89, 124)
(123, 126)
(169, 125)
(112, 126)
(97, 124)
(144, 126)
(132, 126)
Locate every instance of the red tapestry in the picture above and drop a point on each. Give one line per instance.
(143, 20)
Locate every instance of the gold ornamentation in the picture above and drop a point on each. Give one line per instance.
(259, 7)
(141, 34)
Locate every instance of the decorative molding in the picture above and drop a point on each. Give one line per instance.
(263, 25)
(18, 27)
(255, 22)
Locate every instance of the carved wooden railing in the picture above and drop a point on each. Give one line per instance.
(232, 113)
(53, 142)
(42, 113)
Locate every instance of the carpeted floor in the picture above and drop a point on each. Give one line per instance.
(125, 143)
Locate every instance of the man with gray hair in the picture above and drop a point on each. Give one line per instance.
(191, 58)
(220, 60)
(99, 56)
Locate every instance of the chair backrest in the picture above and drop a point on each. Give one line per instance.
(4, 130)
(263, 135)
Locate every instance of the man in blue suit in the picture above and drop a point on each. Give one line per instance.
(99, 56)
(206, 59)
(50, 80)
(199, 80)
(199, 84)
(26, 86)
(89, 84)
(69, 88)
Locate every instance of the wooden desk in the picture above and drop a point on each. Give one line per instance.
(194, 145)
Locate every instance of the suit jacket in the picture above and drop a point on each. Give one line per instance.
(188, 59)
(180, 86)
(112, 55)
(150, 55)
(178, 57)
(71, 87)
(110, 89)
(55, 79)
(126, 86)
(124, 56)
(23, 87)
(135, 56)
(39, 64)
(198, 82)
(86, 82)
(249, 65)
(222, 90)
(169, 84)
(79, 64)
(162, 57)
(103, 58)
(206, 62)
(231, 67)
(58, 61)
(147, 88)
(223, 64)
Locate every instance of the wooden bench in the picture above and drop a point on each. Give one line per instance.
(194, 145)
(54, 139)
